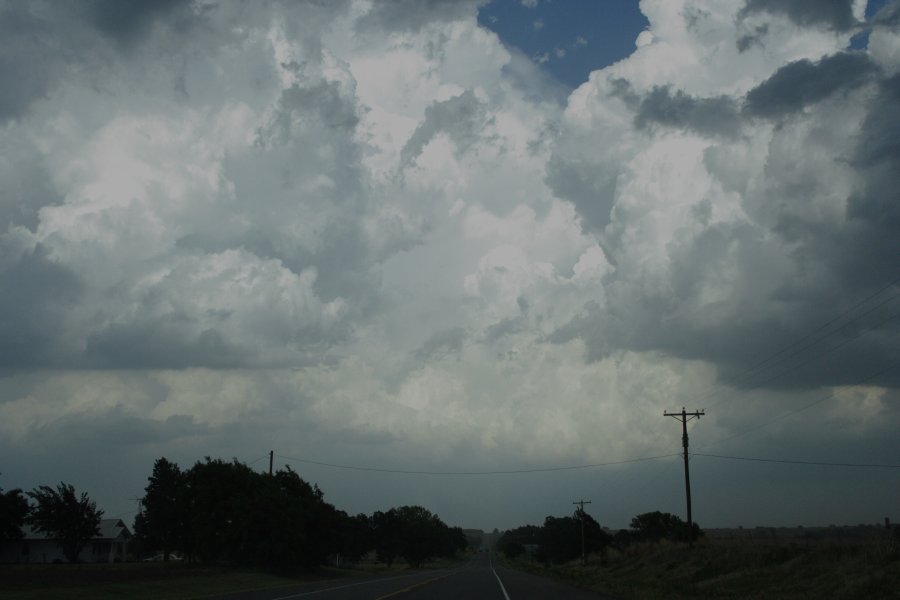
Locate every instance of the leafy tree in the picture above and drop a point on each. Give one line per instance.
(161, 522)
(512, 549)
(656, 526)
(239, 516)
(512, 543)
(61, 514)
(13, 513)
(356, 537)
(386, 536)
(415, 534)
(560, 538)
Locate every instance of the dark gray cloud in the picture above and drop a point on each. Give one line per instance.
(874, 206)
(35, 294)
(462, 118)
(756, 37)
(591, 188)
(165, 343)
(125, 21)
(804, 82)
(706, 116)
(42, 42)
(412, 15)
(30, 58)
(833, 14)
(442, 343)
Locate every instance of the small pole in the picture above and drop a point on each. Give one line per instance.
(581, 504)
(271, 458)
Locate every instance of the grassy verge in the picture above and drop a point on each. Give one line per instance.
(139, 581)
(152, 581)
(725, 569)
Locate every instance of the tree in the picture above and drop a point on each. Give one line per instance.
(512, 543)
(560, 538)
(13, 513)
(386, 536)
(415, 534)
(70, 519)
(161, 522)
(656, 526)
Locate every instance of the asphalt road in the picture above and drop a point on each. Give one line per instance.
(478, 579)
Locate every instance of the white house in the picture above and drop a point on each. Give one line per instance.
(110, 545)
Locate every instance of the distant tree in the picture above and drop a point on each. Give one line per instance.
(512, 543)
(415, 534)
(622, 539)
(656, 526)
(559, 539)
(355, 536)
(513, 549)
(161, 522)
(13, 513)
(455, 541)
(386, 536)
(61, 514)
(235, 515)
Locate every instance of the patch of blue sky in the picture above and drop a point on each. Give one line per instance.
(860, 41)
(568, 38)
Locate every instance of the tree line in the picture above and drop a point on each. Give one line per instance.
(559, 539)
(220, 511)
(225, 512)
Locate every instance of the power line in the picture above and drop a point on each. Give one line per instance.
(253, 462)
(756, 366)
(799, 410)
(801, 462)
(805, 362)
(499, 472)
(818, 356)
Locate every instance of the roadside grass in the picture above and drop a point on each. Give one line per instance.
(175, 581)
(732, 569)
(138, 581)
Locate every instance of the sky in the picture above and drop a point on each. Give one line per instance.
(489, 244)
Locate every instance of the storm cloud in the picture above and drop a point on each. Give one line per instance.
(369, 233)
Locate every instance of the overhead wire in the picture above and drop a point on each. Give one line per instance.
(811, 359)
(491, 472)
(801, 409)
(802, 462)
(747, 375)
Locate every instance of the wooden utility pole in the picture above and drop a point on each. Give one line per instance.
(684, 417)
(271, 459)
(581, 504)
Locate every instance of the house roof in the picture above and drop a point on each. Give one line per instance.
(110, 529)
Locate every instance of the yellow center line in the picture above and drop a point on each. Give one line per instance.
(413, 586)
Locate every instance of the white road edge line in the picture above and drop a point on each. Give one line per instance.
(500, 581)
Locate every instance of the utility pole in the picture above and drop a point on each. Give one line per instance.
(684, 417)
(271, 458)
(581, 504)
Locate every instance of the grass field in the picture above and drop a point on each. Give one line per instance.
(130, 580)
(157, 580)
(731, 569)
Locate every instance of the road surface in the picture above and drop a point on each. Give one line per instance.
(478, 579)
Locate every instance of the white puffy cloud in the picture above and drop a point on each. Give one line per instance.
(368, 232)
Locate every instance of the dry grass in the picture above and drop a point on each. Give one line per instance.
(133, 580)
(734, 569)
(151, 581)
